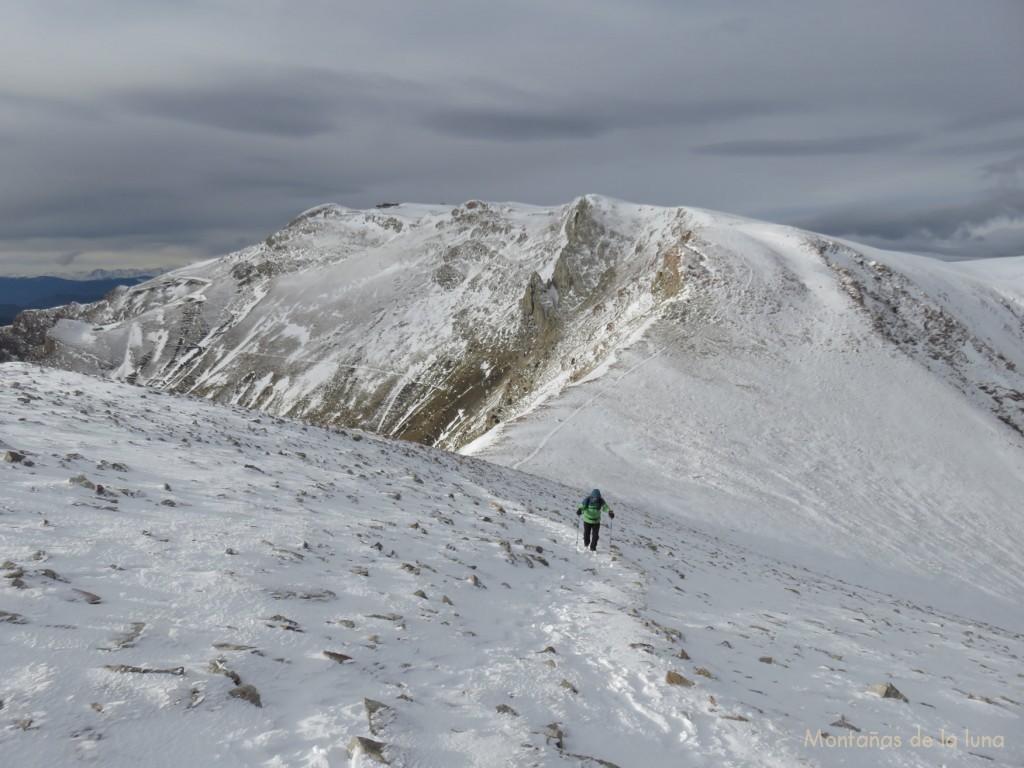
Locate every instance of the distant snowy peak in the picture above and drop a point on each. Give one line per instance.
(436, 324)
(114, 274)
(102, 274)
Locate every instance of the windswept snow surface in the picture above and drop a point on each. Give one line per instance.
(791, 415)
(162, 556)
(805, 393)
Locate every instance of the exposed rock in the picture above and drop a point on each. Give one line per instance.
(505, 709)
(233, 647)
(766, 660)
(888, 691)
(217, 667)
(12, 618)
(704, 672)
(554, 732)
(569, 686)
(83, 481)
(89, 597)
(247, 692)
(372, 707)
(179, 671)
(341, 658)
(420, 594)
(378, 715)
(674, 678)
(128, 639)
(283, 622)
(842, 723)
(13, 457)
(372, 749)
(979, 697)
(385, 616)
(320, 595)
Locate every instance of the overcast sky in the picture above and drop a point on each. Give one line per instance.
(136, 133)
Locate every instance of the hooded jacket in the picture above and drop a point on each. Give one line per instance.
(592, 507)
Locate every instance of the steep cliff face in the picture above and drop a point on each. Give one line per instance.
(436, 324)
(422, 323)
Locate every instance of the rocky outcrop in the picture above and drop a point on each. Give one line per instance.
(437, 325)
(888, 691)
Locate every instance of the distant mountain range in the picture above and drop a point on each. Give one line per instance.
(18, 293)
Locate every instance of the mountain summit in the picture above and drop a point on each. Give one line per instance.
(762, 378)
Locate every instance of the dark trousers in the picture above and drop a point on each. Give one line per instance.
(591, 531)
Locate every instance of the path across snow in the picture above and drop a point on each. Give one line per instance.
(228, 549)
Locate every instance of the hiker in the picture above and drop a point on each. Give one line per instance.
(590, 509)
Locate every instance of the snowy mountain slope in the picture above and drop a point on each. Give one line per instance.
(850, 414)
(434, 324)
(759, 378)
(799, 431)
(167, 561)
(419, 322)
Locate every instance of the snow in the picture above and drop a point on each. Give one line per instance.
(230, 543)
(786, 419)
(789, 482)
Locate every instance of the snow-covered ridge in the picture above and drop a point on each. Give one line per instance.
(435, 324)
(287, 595)
(756, 377)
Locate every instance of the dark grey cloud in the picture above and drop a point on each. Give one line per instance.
(839, 145)
(1007, 172)
(246, 110)
(513, 125)
(534, 118)
(1010, 111)
(942, 221)
(286, 102)
(1003, 145)
(159, 129)
(67, 259)
(991, 225)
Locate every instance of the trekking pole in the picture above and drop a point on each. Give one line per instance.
(577, 535)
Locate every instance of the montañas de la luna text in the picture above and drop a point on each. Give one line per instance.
(882, 741)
